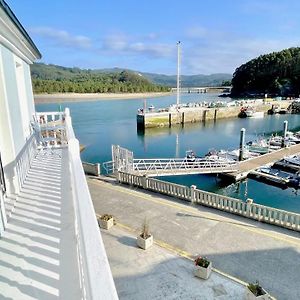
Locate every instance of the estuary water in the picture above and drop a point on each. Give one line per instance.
(99, 124)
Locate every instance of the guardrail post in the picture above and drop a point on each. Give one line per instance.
(193, 198)
(145, 182)
(98, 170)
(118, 177)
(249, 204)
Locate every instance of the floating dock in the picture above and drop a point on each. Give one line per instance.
(246, 166)
(167, 117)
(269, 178)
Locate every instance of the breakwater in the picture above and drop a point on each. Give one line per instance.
(184, 115)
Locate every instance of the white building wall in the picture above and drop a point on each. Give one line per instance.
(19, 69)
(16, 102)
(28, 90)
(12, 99)
(6, 136)
(16, 111)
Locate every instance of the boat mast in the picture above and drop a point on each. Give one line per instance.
(178, 74)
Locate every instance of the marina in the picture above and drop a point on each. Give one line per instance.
(235, 167)
(93, 120)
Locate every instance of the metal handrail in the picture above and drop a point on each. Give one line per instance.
(202, 165)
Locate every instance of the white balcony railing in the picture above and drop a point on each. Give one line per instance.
(56, 129)
(96, 276)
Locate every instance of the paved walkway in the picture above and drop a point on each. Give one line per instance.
(243, 248)
(38, 258)
(159, 274)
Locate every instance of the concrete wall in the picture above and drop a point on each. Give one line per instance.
(91, 169)
(196, 114)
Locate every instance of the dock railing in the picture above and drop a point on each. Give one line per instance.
(96, 278)
(246, 209)
(175, 166)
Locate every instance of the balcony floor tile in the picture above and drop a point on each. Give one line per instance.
(38, 250)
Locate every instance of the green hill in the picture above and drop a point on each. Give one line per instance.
(52, 78)
(189, 80)
(57, 79)
(277, 73)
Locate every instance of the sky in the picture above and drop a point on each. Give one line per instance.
(216, 36)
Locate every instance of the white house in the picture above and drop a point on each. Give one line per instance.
(50, 243)
(17, 52)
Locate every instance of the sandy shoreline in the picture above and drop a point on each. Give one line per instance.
(74, 97)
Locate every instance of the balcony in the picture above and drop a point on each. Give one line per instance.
(52, 247)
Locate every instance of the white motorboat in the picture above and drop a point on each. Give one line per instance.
(291, 137)
(260, 146)
(294, 160)
(251, 113)
(275, 140)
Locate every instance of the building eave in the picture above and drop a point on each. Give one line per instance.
(14, 36)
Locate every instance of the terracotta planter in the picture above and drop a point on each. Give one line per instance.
(250, 296)
(203, 273)
(144, 243)
(106, 224)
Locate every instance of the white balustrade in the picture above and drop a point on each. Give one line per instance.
(250, 210)
(52, 128)
(24, 159)
(96, 280)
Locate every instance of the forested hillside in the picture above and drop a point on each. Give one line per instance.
(277, 73)
(56, 79)
(53, 78)
(190, 80)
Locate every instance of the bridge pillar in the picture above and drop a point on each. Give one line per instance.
(242, 144)
(193, 198)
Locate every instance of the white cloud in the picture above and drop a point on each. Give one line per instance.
(265, 7)
(115, 42)
(223, 52)
(196, 32)
(120, 43)
(62, 37)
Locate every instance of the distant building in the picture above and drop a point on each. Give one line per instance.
(50, 242)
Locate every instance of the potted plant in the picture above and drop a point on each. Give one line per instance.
(145, 239)
(203, 267)
(256, 291)
(106, 221)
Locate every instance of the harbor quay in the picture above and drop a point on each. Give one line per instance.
(245, 249)
(182, 115)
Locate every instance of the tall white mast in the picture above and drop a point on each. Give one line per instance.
(178, 74)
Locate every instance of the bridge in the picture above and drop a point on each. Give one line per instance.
(200, 90)
(123, 161)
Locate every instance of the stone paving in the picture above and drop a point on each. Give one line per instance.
(246, 249)
(159, 274)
